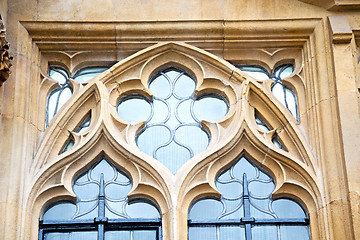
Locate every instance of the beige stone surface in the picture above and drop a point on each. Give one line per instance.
(320, 168)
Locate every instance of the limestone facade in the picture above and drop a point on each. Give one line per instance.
(319, 168)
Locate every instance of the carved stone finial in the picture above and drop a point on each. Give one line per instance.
(5, 57)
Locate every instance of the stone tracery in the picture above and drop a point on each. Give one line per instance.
(110, 135)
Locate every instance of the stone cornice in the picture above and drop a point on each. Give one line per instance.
(335, 5)
(133, 36)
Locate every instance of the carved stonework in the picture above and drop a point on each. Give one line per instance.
(5, 57)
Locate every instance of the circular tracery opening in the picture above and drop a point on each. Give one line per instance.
(173, 132)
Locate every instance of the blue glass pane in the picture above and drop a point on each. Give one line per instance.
(260, 207)
(60, 211)
(71, 236)
(203, 233)
(232, 233)
(52, 104)
(134, 109)
(261, 124)
(68, 145)
(184, 86)
(163, 136)
(56, 236)
(291, 102)
(283, 93)
(144, 235)
(84, 125)
(161, 111)
(210, 108)
(118, 235)
(173, 156)
(279, 93)
(206, 209)
(161, 86)
(192, 137)
(294, 233)
(281, 208)
(277, 143)
(184, 112)
(172, 133)
(264, 233)
(87, 188)
(284, 71)
(256, 72)
(88, 73)
(142, 210)
(59, 75)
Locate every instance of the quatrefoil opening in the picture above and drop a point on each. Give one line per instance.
(173, 132)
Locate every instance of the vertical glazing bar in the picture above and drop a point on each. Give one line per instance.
(101, 212)
(41, 234)
(246, 204)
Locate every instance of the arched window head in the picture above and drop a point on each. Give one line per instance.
(59, 96)
(102, 210)
(282, 92)
(173, 133)
(246, 209)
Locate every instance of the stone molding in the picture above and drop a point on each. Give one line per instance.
(237, 134)
(308, 172)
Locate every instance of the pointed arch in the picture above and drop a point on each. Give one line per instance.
(295, 171)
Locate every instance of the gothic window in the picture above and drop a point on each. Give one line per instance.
(282, 92)
(246, 209)
(102, 210)
(150, 150)
(173, 132)
(59, 96)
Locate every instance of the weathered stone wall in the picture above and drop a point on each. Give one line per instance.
(321, 38)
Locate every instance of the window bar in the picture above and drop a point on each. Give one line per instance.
(247, 219)
(101, 219)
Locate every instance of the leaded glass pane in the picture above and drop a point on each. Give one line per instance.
(211, 108)
(261, 124)
(277, 143)
(291, 102)
(117, 235)
(173, 133)
(86, 187)
(61, 211)
(59, 96)
(256, 72)
(85, 124)
(206, 209)
(71, 236)
(283, 93)
(70, 143)
(231, 233)
(203, 232)
(294, 233)
(266, 232)
(279, 92)
(128, 108)
(246, 209)
(281, 208)
(88, 73)
(102, 207)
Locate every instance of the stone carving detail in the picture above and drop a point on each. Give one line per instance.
(5, 57)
